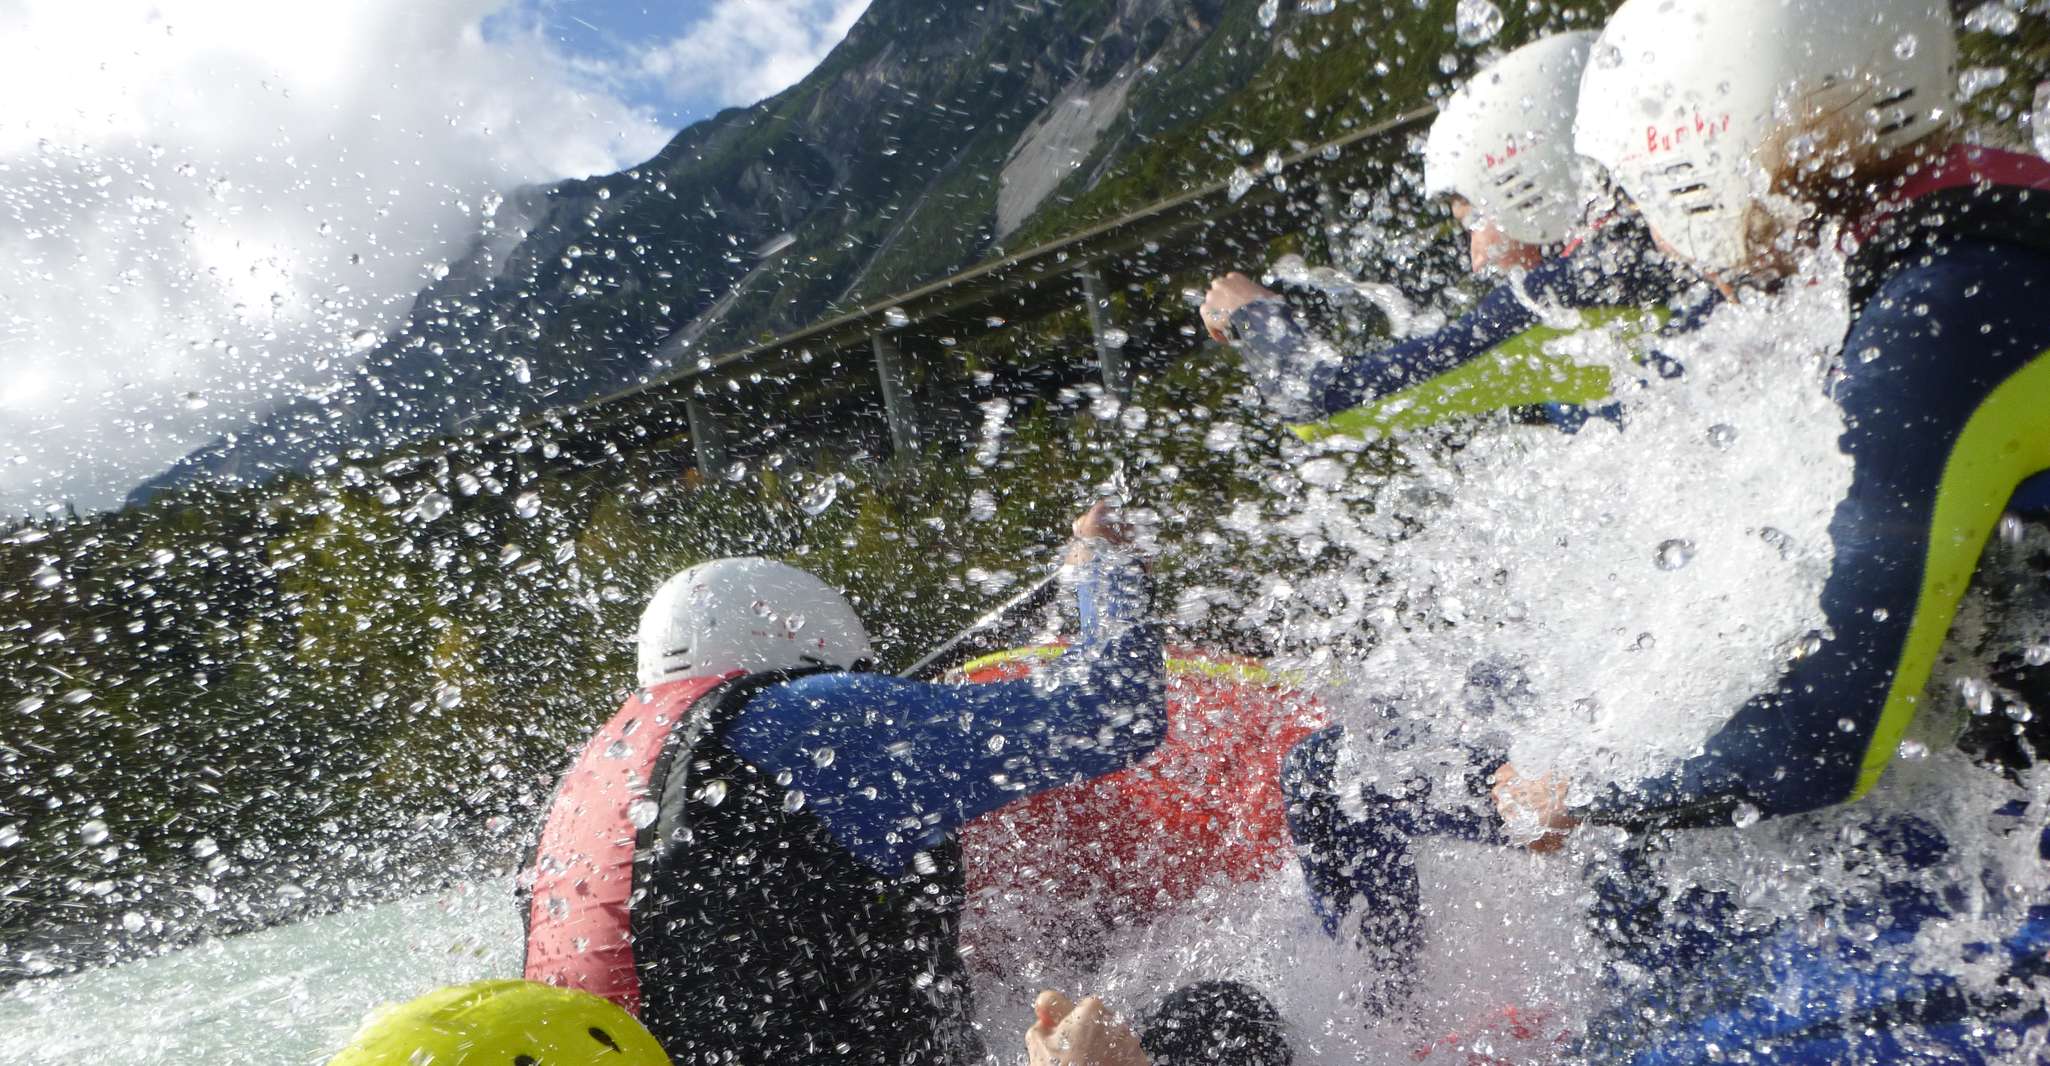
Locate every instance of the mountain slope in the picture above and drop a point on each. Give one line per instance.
(879, 171)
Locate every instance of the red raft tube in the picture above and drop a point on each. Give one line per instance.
(1052, 873)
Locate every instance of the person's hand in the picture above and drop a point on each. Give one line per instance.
(1533, 809)
(1065, 1033)
(1098, 524)
(1228, 294)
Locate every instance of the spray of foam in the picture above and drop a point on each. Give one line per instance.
(1626, 587)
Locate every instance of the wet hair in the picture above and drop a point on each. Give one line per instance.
(1825, 162)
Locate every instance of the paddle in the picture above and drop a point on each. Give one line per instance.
(1031, 596)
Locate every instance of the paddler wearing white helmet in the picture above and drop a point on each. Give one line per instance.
(1500, 154)
(1775, 144)
(756, 855)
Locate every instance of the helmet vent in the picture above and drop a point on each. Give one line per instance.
(605, 1038)
(1906, 117)
(523, 1060)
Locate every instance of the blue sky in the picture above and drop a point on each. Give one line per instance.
(684, 60)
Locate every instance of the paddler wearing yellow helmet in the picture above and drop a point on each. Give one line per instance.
(502, 1023)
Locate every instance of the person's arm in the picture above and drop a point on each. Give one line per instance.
(1303, 379)
(1941, 427)
(892, 766)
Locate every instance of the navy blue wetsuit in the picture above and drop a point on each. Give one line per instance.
(892, 767)
(1490, 359)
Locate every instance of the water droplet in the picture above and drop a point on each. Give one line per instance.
(643, 812)
(1269, 11)
(1239, 184)
(521, 372)
(793, 801)
(823, 757)
(1993, 16)
(896, 317)
(93, 832)
(527, 504)
(46, 577)
(1476, 21)
(205, 848)
(132, 922)
(195, 402)
(924, 863)
(995, 743)
(363, 339)
(432, 506)
(713, 792)
(1722, 435)
(2037, 655)
(10, 835)
(1674, 554)
(1745, 816)
(1907, 46)
(447, 696)
(820, 496)
(1972, 81)
(1914, 749)
(618, 749)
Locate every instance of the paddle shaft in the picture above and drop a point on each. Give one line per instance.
(1033, 595)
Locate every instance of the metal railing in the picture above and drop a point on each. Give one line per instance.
(1178, 232)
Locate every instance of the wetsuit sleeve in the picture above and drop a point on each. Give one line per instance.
(1303, 379)
(892, 766)
(1942, 415)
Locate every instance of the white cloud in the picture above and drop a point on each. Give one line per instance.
(742, 51)
(203, 201)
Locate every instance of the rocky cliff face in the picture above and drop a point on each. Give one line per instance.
(883, 169)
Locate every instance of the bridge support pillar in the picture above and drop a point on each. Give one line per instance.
(896, 395)
(1110, 357)
(707, 438)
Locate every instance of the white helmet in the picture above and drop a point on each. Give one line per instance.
(746, 614)
(1684, 97)
(1504, 142)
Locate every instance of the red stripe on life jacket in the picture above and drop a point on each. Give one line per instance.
(1962, 166)
(579, 930)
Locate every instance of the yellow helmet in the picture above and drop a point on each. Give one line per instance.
(502, 1023)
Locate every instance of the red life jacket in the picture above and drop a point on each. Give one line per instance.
(586, 868)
